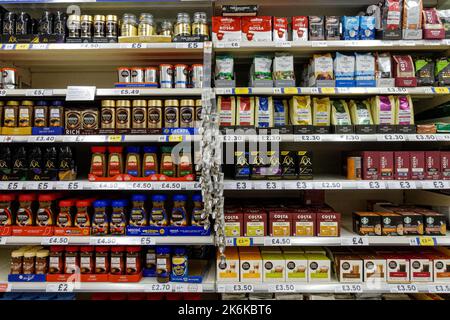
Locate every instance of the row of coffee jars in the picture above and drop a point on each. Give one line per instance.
(152, 114)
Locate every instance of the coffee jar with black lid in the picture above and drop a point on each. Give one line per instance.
(46, 23)
(74, 25)
(86, 26)
(23, 24)
(112, 26)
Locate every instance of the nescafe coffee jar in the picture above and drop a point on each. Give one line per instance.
(99, 26)
(101, 260)
(45, 214)
(133, 260)
(154, 114)
(139, 114)
(6, 209)
(123, 114)
(87, 261)
(56, 260)
(108, 114)
(171, 114)
(72, 260)
(187, 113)
(65, 215)
(26, 213)
(42, 262)
(117, 260)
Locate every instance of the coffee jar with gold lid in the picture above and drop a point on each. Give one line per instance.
(129, 26)
(139, 114)
(166, 28)
(146, 25)
(10, 114)
(154, 114)
(74, 25)
(198, 111)
(183, 25)
(99, 26)
(200, 25)
(187, 113)
(123, 114)
(171, 114)
(25, 113)
(112, 26)
(108, 114)
(86, 26)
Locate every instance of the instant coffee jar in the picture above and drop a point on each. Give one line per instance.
(123, 114)
(129, 25)
(111, 26)
(183, 25)
(108, 114)
(99, 26)
(154, 114)
(171, 114)
(139, 114)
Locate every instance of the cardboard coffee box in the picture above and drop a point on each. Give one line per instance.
(296, 267)
(367, 223)
(349, 268)
(441, 268)
(402, 165)
(255, 224)
(398, 268)
(328, 224)
(234, 224)
(412, 223)
(274, 267)
(250, 267)
(445, 165)
(370, 165)
(386, 165)
(280, 224)
(435, 223)
(391, 224)
(304, 224)
(229, 271)
(432, 165)
(319, 268)
(421, 269)
(417, 164)
(374, 268)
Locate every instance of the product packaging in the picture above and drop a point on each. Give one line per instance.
(245, 111)
(261, 68)
(344, 67)
(255, 224)
(391, 19)
(383, 110)
(316, 28)
(226, 107)
(360, 112)
(402, 165)
(321, 111)
(274, 267)
(340, 114)
(442, 72)
(391, 224)
(280, 29)
(445, 165)
(296, 267)
(256, 29)
(424, 71)
(264, 113)
(229, 271)
(226, 29)
(300, 28)
(445, 18)
(319, 268)
(386, 165)
(300, 110)
(250, 267)
(417, 165)
(367, 223)
(280, 224)
(383, 66)
(364, 68)
(224, 68)
(283, 67)
(321, 68)
(234, 224)
(349, 268)
(305, 166)
(370, 165)
(332, 30)
(367, 27)
(432, 24)
(281, 112)
(350, 28)
(432, 165)
(412, 19)
(404, 111)
(328, 224)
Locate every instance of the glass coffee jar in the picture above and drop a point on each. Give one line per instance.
(200, 25)
(183, 25)
(129, 27)
(146, 25)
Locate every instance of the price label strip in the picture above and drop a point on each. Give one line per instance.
(355, 241)
(267, 185)
(423, 241)
(48, 241)
(284, 287)
(159, 287)
(60, 287)
(439, 288)
(371, 185)
(403, 288)
(277, 241)
(243, 242)
(349, 288)
(298, 185)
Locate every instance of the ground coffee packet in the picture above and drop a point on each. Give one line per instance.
(442, 71)
(424, 71)
(224, 68)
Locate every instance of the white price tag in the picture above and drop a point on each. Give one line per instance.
(282, 287)
(298, 185)
(228, 45)
(423, 137)
(439, 288)
(391, 137)
(80, 93)
(307, 138)
(328, 185)
(188, 45)
(319, 44)
(48, 241)
(267, 138)
(147, 241)
(188, 287)
(283, 44)
(69, 185)
(349, 137)
(171, 186)
(407, 43)
(394, 90)
(39, 185)
(140, 186)
(355, 241)
(89, 45)
(229, 242)
(106, 186)
(39, 46)
(240, 288)
(46, 139)
(349, 288)
(277, 241)
(129, 92)
(60, 287)
(372, 185)
(242, 185)
(436, 184)
(13, 186)
(159, 287)
(267, 185)
(103, 241)
(3, 241)
(137, 46)
(8, 46)
(404, 185)
(38, 92)
(403, 288)
(233, 138)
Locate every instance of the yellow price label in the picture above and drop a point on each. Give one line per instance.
(241, 90)
(328, 90)
(116, 138)
(441, 90)
(243, 242)
(291, 90)
(22, 46)
(426, 241)
(175, 138)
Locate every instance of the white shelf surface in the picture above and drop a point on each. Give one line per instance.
(335, 183)
(88, 185)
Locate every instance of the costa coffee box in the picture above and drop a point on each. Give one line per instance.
(304, 224)
(280, 224)
(256, 29)
(280, 29)
(432, 165)
(435, 223)
(421, 269)
(374, 268)
(234, 224)
(300, 28)
(226, 29)
(370, 165)
(328, 224)
(386, 165)
(417, 165)
(412, 223)
(398, 268)
(445, 165)
(255, 224)
(402, 165)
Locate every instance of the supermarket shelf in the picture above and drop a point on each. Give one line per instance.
(347, 238)
(113, 92)
(333, 287)
(416, 92)
(298, 47)
(109, 185)
(107, 240)
(395, 137)
(99, 138)
(335, 184)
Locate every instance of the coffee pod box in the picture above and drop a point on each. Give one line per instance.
(296, 267)
(349, 268)
(274, 267)
(319, 268)
(229, 271)
(421, 269)
(441, 265)
(398, 269)
(250, 265)
(374, 268)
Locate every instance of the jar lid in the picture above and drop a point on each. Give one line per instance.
(102, 249)
(100, 203)
(187, 103)
(46, 197)
(133, 149)
(145, 16)
(57, 103)
(128, 16)
(163, 250)
(86, 17)
(123, 103)
(171, 103)
(139, 197)
(139, 103)
(197, 197)
(159, 197)
(29, 254)
(74, 17)
(71, 248)
(115, 149)
(133, 249)
(86, 249)
(42, 254)
(56, 248)
(17, 254)
(108, 103)
(179, 197)
(151, 68)
(198, 102)
(118, 249)
(98, 17)
(26, 103)
(151, 149)
(119, 203)
(67, 203)
(12, 103)
(41, 103)
(154, 103)
(111, 17)
(27, 197)
(7, 197)
(98, 149)
(82, 203)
